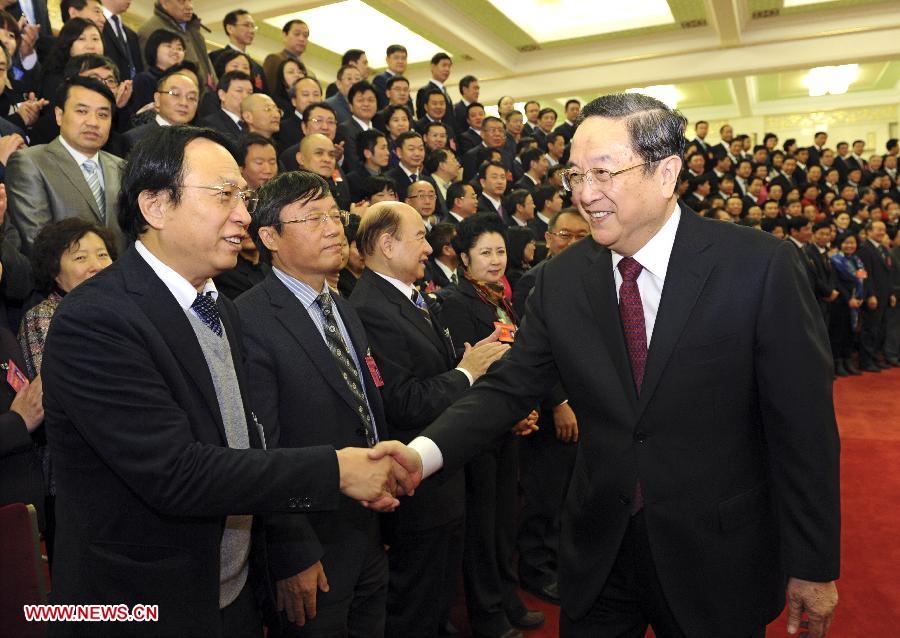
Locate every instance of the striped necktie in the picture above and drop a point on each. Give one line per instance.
(93, 180)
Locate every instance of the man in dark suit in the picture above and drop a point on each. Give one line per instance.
(421, 378)
(671, 519)
(435, 107)
(826, 279)
(176, 103)
(233, 87)
(532, 109)
(240, 28)
(492, 177)
(469, 89)
(296, 36)
(120, 44)
(363, 105)
(410, 150)
(441, 64)
(316, 155)
(156, 482)
(567, 128)
(395, 57)
(536, 167)
(470, 137)
(786, 178)
(305, 91)
(879, 297)
(442, 168)
(494, 137)
(815, 151)
(295, 367)
(71, 176)
(441, 269)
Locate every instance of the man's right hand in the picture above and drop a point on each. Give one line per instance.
(296, 595)
(404, 456)
(29, 404)
(375, 482)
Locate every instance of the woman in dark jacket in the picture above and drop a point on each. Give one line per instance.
(471, 313)
(521, 253)
(843, 322)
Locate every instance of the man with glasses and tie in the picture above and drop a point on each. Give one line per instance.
(308, 355)
(706, 477)
(176, 100)
(163, 476)
(70, 176)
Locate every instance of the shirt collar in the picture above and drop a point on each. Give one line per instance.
(305, 293)
(655, 254)
(447, 270)
(365, 125)
(405, 289)
(181, 288)
(162, 121)
(543, 218)
(796, 243)
(233, 117)
(440, 85)
(408, 172)
(107, 14)
(495, 202)
(78, 156)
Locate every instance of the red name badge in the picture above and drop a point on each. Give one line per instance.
(373, 370)
(507, 332)
(15, 377)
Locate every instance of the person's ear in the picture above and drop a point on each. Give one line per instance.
(269, 238)
(153, 208)
(669, 170)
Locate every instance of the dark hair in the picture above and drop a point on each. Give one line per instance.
(855, 142)
(514, 198)
(699, 122)
(524, 142)
(532, 102)
(796, 223)
(473, 105)
(822, 224)
(290, 23)
(431, 91)
(231, 18)
(456, 190)
(366, 141)
(60, 53)
(546, 110)
(551, 226)
(157, 38)
(54, 239)
(655, 131)
(435, 158)
(408, 135)
(375, 184)
(351, 56)
(307, 112)
(283, 190)
(432, 125)
(552, 137)
(437, 58)
(8, 22)
(482, 169)
(352, 227)
(291, 92)
(517, 238)
(92, 84)
(466, 81)
(572, 101)
(342, 70)
(542, 195)
(891, 144)
(226, 79)
(529, 156)
(393, 80)
(248, 140)
(78, 5)
(769, 136)
(360, 87)
(177, 70)
(227, 56)
(385, 220)
(156, 165)
(471, 228)
(87, 62)
(439, 236)
(281, 89)
(491, 118)
(395, 48)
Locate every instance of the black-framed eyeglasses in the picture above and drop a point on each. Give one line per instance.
(341, 217)
(193, 98)
(567, 236)
(112, 83)
(572, 179)
(232, 194)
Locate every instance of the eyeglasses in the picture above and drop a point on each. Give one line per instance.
(193, 98)
(268, 108)
(341, 217)
(112, 83)
(572, 179)
(232, 194)
(425, 196)
(567, 236)
(321, 120)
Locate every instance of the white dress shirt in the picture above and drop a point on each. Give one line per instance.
(654, 257)
(80, 158)
(183, 291)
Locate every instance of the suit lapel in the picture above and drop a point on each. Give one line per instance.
(689, 267)
(164, 312)
(70, 169)
(407, 310)
(296, 320)
(601, 293)
(361, 347)
(111, 178)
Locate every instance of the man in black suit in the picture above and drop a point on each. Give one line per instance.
(318, 117)
(470, 137)
(826, 279)
(435, 107)
(240, 28)
(148, 421)
(363, 105)
(815, 151)
(469, 89)
(441, 269)
(567, 128)
(395, 57)
(374, 155)
(492, 177)
(317, 155)
(494, 137)
(305, 91)
(397, 94)
(120, 44)
(546, 120)
(410, 150)
(701, 130)
(532, 109)
(297, 368)
(671, 519)
(176, 101)
(462, 202)
(879, 297)
(786, 178)
(536, 167)
(233, 87)
(443, 168)
(421, 378)
(726, 135)
(441, 64)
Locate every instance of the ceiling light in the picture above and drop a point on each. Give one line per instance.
(833, 80)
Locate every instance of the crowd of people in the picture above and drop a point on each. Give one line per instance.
(361, 320)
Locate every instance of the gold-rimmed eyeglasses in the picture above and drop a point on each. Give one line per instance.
(573, 179)
(318, 220)
(231, 195)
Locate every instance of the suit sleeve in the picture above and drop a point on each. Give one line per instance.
(29, 208)
(102, 380)
(795, 389)
(291, 540)
(510, 389)
(410, 402)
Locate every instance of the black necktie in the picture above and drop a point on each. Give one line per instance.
(413, 178)
(120, 33)
(346, 366)
(206, 310)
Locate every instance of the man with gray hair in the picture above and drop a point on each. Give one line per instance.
(706, 477)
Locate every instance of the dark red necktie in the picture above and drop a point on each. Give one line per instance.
(631, 312)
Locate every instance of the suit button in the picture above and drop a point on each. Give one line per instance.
(292, 503)
(361, 432)
(640, 436)
(306, 502)
(624, 500)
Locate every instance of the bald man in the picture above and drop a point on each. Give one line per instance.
(317, 155)
(261, 115)
(176, 99)
(421, 196)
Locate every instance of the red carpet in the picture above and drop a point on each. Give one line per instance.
(868, 414)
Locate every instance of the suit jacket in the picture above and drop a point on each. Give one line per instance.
(45, 184)
(485, 206)
(527, 183)
(422, 123)
(467, 140)
(878, 283)
(135, 135)
(567, 129)
(460, 116)
(294, 373)
(340, 190)
(470, 164)
(380, 83)
(341, 107)
(271, 64)
(219, 121)
(144, 475)
(709, 491)
(401, 181)
(825, 277)
(420, 103)
(116, 51)
(417, 363)
(348, 131)
(290, 132)
(233, 283)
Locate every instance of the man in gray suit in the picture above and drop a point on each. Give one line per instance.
(70, 176)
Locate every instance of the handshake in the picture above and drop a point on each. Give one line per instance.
(377, 476)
